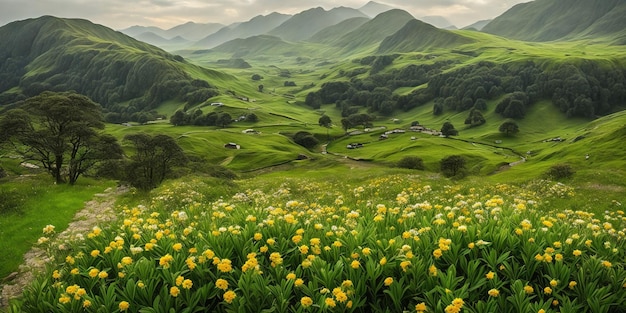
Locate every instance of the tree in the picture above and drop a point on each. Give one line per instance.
(411, 162)
(325, 121)
(253, 118)
(509, 128)
(447, 129)
(256, 77)
(475, 118)
(224, 120)
(305, 139)
(153, 161)
(261, 87)
(60, 130)
(453, 166)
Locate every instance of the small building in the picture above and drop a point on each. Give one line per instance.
(232, 145)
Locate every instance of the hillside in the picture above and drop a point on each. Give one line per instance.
(305, 24)
(479, 25)
(50, 53)
(256, 26)
(548, 20)
(258, 45)
(437, 21)
(419, 36)
(372, 8)
(331, 34)
(374, 31)
(189, 31)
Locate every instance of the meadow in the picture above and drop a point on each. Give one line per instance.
(380, 241)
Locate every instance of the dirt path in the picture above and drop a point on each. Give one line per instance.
(97, 211)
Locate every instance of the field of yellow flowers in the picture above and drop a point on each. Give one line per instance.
(395, 243)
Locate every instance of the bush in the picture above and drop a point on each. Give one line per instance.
(305, 139)
(411, 162)
(10, 201)
(560, 171)
(453, 166)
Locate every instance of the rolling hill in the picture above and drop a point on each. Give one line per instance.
(331, 34)
(418, 36)
(190, 31)
(372, 8)
(258, 25)
(258, 46)
(50, 53)
(305, 24)
(374, 31)
(549, 20)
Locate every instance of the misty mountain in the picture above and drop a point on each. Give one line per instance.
(418, 36)
(375, 30)
(372, 8)
(190, 31)
(332, 34)
(547, 20)
(156, 40)
(437, 21)
(260, 45)
(256, 26)
(306, 23)
(477, 25)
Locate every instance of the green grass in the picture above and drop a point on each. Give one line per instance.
(42, 203)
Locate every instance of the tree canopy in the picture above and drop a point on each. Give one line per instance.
(60, 131)
(154, 159)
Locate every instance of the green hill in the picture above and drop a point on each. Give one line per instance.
(256, 26)
(332, 34)
(375, 30)
(548, 20)
(111, 68)
(260, 45)
(418, 36)
(305, 24)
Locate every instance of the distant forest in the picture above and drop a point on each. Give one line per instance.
(585, 89)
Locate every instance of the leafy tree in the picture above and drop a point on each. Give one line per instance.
(261, 87)
(453, 166)
(447, 129)
(252, 118)
(509, 128)
(411, 162)
(313, 100)
(60, 130)
(256, 77)
(305, 139)
(326, 122)
(560, 171)
(475, 118)
(153, 161)
(178, 118)
(224, 120)
(345, 124)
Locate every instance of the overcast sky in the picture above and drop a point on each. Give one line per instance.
(119, 14)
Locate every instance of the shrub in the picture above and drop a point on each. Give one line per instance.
(560, 171)
(411, 162)
(453, 166)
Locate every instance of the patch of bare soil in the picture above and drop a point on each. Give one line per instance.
(96, 212)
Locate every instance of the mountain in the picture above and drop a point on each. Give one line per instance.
(50, 53)
(159, 41)
(193, 31)
(256, 26)
(306, 23)
(417, 36)
(190, 31)
(258, 45)
(548, 20)
(372, 8)
(331, 34)
(375, 30)
(477, 25)
(437, 21)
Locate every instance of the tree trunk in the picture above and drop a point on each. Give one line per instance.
(57, 170)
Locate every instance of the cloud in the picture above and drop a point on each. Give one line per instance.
(119, 14)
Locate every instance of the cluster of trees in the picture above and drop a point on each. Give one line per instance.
(584, 89)
(197, 118)
(61, 132)
(450, 166)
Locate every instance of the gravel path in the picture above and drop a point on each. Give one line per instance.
(97, 211)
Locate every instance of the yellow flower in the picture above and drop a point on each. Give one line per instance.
(75, 271)
(221, 284)
(174, 291)
(57, 275)
(528, 289)
(547, 290)
(166, 260)
(95, 253)
(541, 311)
(366, 251)
(65, 299)
(383, 261)
(271, 241)
(432, 270)
(187, 284)
(490, 275)
(355, 264)
(229, 296)
(572, 284)
(493, 292)
(306, 302)
(458, 302)
(258, 236)
(299, 282)
(86, 304)
(555, 302)
(404, 265)
(177, 246)
(225, 266)
(388, 281)
(304, 249)
(103, 274)
(577, 252)
(127, 260)
(554, 283)
(606, 264)
(420, 307)
(124, 305)
(330, 302)
(291, 276)
(140, 284)
(471, 245)
(437, 253)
